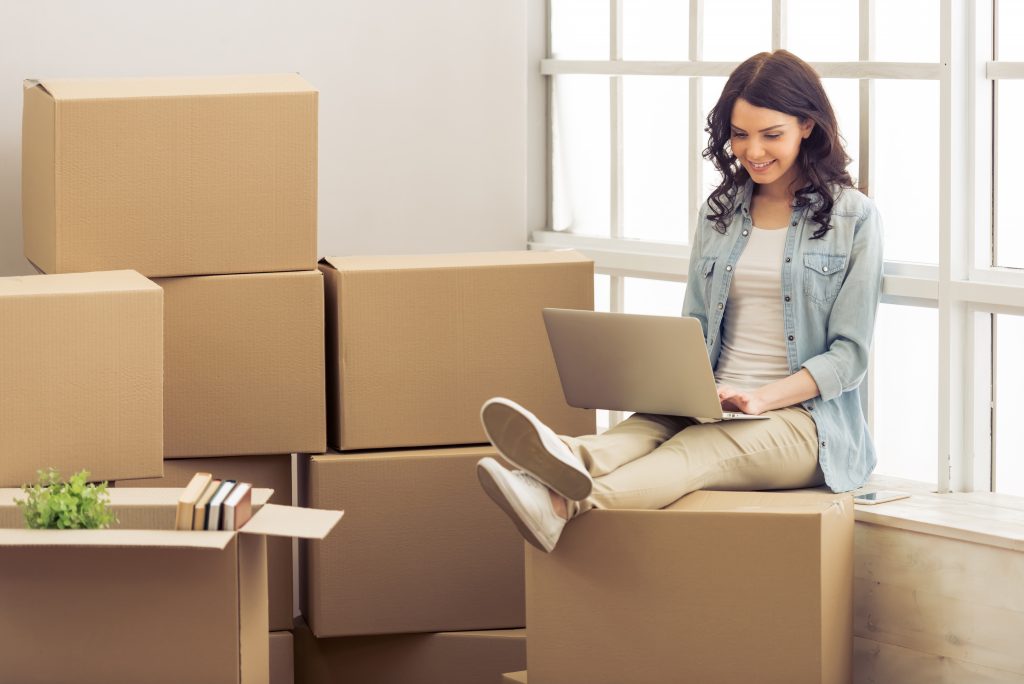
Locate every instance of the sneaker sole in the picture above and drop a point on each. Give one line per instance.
(518, 443)
(496, 490)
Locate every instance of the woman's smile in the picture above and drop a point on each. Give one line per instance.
(760, 167)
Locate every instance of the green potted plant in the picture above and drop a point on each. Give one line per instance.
(52, 504)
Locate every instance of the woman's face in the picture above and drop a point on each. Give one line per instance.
(767, 143)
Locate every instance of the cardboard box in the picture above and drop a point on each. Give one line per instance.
(144, 602)
(445, 658)
(514, 678)
(81, 376)
(282, 659)
(423, 549)
(170, 176)
(415, 344)
(718, 588)
(269, 472)
(244, 364)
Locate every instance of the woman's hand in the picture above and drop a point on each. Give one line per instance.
(744, 401)
(796, 389)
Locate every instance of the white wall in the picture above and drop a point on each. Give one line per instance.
(423, 103)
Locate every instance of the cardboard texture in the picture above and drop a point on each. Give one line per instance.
(270, 472)
(282, 660)
(514, 678)
(423, 549)
(170, 176)
(81, 376)
(244, 364)
(721, 587)
(154, 605)
(445, 658)
(415, 344)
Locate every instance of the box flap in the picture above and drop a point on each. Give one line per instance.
(290, 521)
(462, 260)
(116, 538)
(76, 283)
(35, 83)
(117, 88)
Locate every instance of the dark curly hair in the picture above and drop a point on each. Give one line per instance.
(781, 81)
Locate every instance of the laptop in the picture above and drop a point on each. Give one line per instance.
(632, 362)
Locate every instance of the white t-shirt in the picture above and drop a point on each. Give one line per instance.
(753, 337)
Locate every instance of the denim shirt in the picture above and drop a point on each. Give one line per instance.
(830, 292)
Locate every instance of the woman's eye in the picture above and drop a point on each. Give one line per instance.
(773, 136)
(739, 135)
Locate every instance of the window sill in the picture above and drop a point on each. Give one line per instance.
(978, 517)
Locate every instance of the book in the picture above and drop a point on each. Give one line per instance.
(188, 498)
(199, 517)
(213, 508)
(237, 507)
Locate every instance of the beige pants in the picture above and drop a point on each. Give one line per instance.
(649, 461)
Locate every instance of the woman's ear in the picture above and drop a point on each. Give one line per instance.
(806, 126)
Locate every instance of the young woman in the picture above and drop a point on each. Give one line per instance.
(785, 274)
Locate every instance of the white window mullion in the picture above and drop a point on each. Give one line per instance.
(616, 284)
(550, 95)
(983, 128)
(778, 24)
(980, 426)
(615, 91)
(866, 52)
(1004, 70)
(955, 379)
(980, 436)
(696, 168)
(855, 70)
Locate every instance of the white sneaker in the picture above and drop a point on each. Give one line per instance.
(525, 500)
(527, 443)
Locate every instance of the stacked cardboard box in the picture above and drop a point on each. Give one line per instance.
(720, 587)
(415, 344)
(442, 658)
(208, 186)
(81, 376)
(282, 658)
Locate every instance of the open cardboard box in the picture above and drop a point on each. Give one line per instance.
(142, 602)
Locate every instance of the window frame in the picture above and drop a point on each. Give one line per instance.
(964, 286)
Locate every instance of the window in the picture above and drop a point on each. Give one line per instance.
(930, 117)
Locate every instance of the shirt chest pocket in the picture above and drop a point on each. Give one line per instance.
(706, 268)
(823, 277)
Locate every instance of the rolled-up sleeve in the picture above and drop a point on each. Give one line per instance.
(851, 322)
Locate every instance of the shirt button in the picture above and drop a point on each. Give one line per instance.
(794, 223)
(788, 260)
(810, 408)
(791, 338)
(719, 307)
(822, 444)
(824, 269)
(787, 298)
(746, 232)
(728, 268)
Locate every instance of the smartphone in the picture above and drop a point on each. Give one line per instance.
(881, 496)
